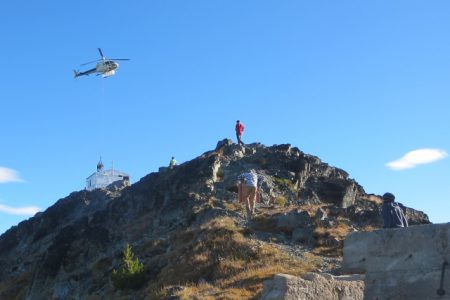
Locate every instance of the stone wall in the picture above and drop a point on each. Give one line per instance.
(402, 263)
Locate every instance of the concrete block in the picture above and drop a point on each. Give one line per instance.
(401, 263)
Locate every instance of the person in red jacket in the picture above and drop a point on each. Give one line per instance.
(239, 131)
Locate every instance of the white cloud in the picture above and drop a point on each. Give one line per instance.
(9, 175)
(26, 210)
(417, 157)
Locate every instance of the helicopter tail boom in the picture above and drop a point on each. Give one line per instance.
(78, 74)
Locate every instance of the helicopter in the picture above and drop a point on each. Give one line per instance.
(105, 66)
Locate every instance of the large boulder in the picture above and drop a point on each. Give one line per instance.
(313, 286)
(293, 219)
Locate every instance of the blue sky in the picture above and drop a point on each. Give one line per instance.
(358, 84)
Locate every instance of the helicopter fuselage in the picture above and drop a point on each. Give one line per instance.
(106, 66)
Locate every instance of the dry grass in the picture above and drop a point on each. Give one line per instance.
(312, 208)
(280, 201)
(265, 222)
(232, 206)
(243, 279)
(369, 228)
(216, 261)
(340, 231)
(329, 241)
(328, 251)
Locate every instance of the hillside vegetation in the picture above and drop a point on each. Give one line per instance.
(189, 232)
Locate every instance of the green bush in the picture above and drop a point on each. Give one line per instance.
(285, 182)
(281, 201)
(131, 274)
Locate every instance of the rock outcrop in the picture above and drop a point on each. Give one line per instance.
(70, 250)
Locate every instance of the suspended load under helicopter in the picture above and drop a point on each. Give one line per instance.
(105, 66)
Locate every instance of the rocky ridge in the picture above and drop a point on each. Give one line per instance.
(170, 218)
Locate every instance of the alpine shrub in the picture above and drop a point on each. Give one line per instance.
(131, 274)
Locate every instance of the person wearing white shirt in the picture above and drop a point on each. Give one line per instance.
(248, 184)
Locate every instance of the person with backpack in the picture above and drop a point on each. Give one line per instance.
(239, 130)
(248, 184)
(393, 215)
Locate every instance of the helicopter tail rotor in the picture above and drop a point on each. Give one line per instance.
(76, 73)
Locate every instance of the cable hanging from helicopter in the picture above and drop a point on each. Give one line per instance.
(105, 66)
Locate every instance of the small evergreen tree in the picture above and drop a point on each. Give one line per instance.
(131, 274)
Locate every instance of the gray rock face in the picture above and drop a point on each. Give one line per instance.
(403, 263)
(293, 219)
(223, 143)
(313, 286)
(302, 235)
(321, 214)
(300, 177)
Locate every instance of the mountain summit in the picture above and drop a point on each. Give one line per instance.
(188, 230)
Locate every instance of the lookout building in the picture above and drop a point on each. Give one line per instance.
(102, 178)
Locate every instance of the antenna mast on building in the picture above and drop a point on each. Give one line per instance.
(103, 178)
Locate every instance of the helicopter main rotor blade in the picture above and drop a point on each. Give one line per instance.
(101, 53)
(119, 58)
(90, 62)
